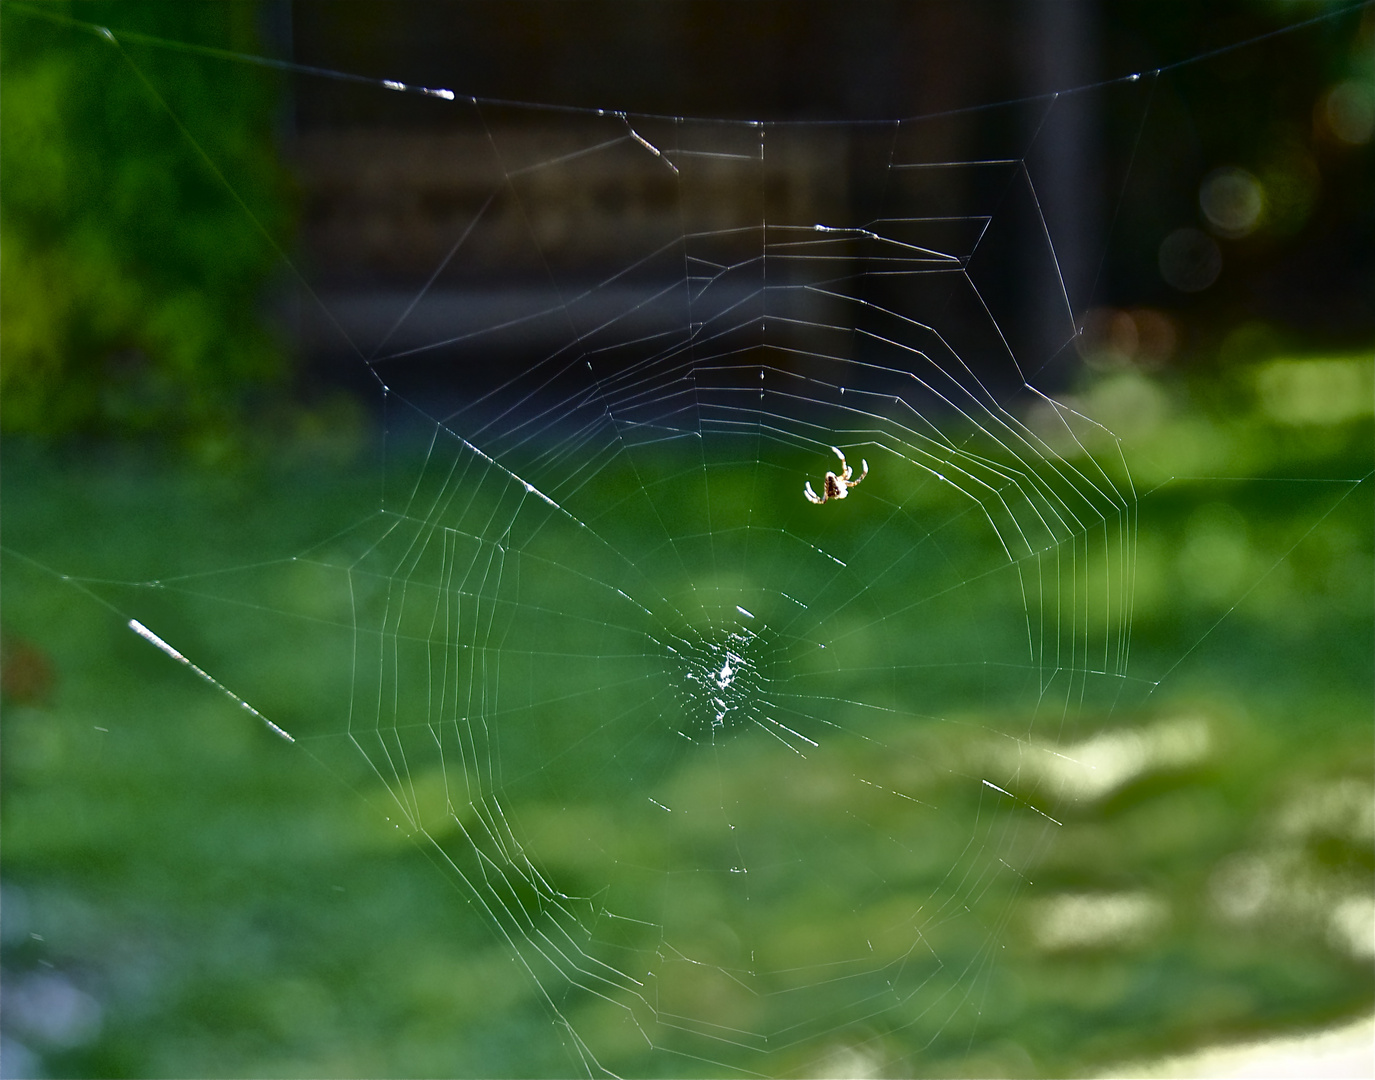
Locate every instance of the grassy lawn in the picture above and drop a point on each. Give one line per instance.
(187, 894)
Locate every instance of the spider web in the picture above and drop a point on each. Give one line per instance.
(699, 750)
(741, 783)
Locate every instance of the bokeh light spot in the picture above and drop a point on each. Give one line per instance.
(1189, 260)
(1349, 111)
(1232, 200)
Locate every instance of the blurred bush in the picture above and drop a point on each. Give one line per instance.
(134, 280)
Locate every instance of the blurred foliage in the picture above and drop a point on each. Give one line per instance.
(134, 279)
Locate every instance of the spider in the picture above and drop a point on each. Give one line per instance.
(836, 487)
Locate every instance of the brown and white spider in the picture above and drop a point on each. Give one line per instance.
(836, 487)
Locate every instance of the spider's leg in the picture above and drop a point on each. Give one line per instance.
(844, 468)
(811, 495)
(863, 472)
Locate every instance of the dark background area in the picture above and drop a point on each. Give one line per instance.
(361, 193)
(1116, 177)
(777, 59)
(1116, 169)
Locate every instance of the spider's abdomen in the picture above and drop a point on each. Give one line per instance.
(834, 488)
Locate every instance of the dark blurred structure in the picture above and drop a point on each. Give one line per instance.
(1214, 209)
(388, 185)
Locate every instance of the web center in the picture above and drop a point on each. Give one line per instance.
(720, 682)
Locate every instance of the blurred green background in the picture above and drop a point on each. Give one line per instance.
(205, 898)
(184, 894)
(138, 307)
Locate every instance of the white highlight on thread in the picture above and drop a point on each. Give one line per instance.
(651, 148)
(1004, 791)
(152, 639)
(428, 91)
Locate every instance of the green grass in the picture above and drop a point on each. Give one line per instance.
(238, 905)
